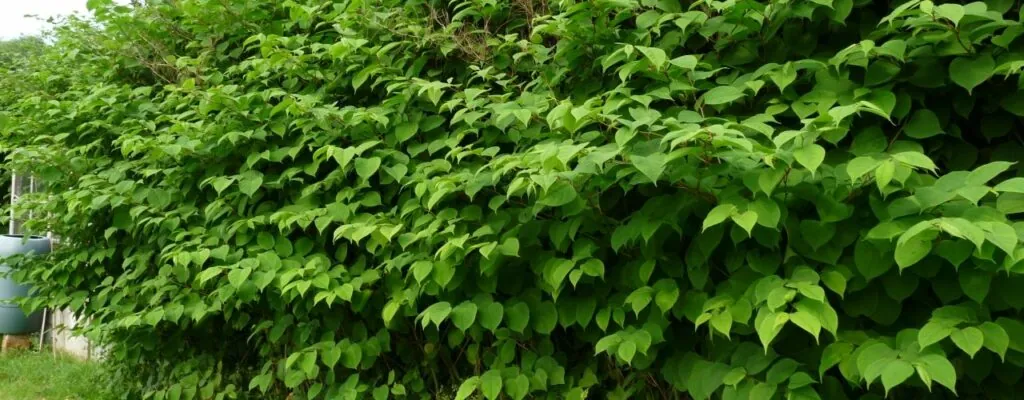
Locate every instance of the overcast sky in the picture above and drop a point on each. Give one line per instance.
(13, 22)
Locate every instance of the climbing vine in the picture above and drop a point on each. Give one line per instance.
(609, 199)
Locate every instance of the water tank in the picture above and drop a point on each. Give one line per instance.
(13, 320)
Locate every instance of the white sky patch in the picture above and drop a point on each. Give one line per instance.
(14, 23)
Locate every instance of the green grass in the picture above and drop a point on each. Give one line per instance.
(37, 376)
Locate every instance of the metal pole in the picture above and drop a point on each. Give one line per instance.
(14, 196)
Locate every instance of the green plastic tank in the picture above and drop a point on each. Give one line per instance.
(13, 320)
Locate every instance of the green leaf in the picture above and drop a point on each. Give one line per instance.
(763, 391)
(870, 261)
(933, 332)
(352, 356)
(491, 315)
(915, 159)
(807, 322)
(265, 240)
(655, 55)
(999, 6)
(784, 76)
(735, 376)
(626, 351)
(835, 281)
(464, 315)
(880, 72)
(330, 355)
(884, 100)
(593, 267)
(639, 299)
(651, 165)
(812, 292)
(768, 212)
(154, 317)
(964, 229)
(952, 12)
(722, 95)
(406, 130)
(608, 344)
(896, 373)
(559, 194)
(510, 247)
(968, 339)
(1012, 185)
(746, 220)
(939, 369)
(975, 283)
(869, 141)
(238, 276)
(545, 318)
(769, 327)
(467, 388)
(667, 295)
(971, 72)
(718, 215)
(436, 313)
(250, 182)
(421, 270)
(926, 378)
(911, 251)
(722, 322)
(644, 116)
(817, 233)
(1010, 203)
(1013, 103)
(833, 355)
(490, 384)
(518, 387)
(1014, 329)
(923, 124)
(769, 179)
(955, 251)
(93, 5)
(688, 62)
(367, 167)
(517, 316)
(872, 359)
(556, 271)
(884, 173)
(1002, 235)
(810, 156)
(781, 371)
(996, 338)
(221, 183)
(860, 166)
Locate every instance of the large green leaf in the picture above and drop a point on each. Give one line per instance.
(491, 384)
(923, 124)
(810, 156)
(722, 95)
(896, 373)
(971, 72)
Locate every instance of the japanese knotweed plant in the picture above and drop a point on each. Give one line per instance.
(557, 199)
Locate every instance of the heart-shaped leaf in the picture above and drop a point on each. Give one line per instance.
(971, 72)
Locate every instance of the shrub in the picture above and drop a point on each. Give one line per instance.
(528, 198)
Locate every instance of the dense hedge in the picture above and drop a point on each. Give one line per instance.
(534, 198)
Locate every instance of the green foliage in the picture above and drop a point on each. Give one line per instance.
(535, 199)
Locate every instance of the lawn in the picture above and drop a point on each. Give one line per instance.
(37, 376)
